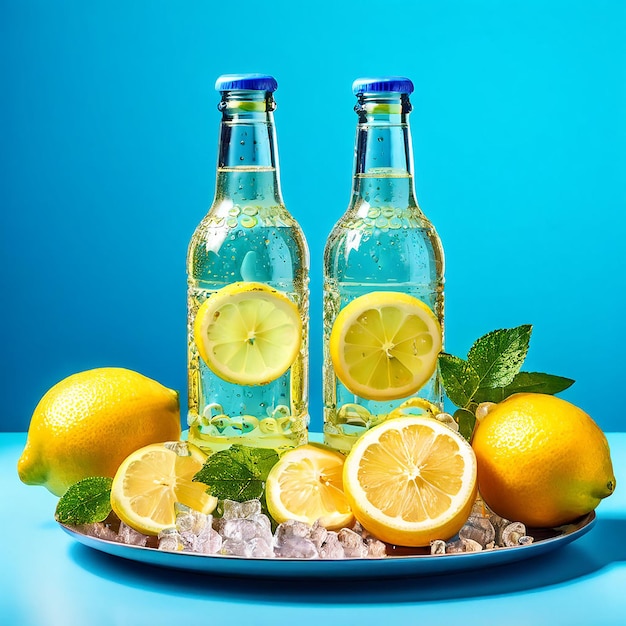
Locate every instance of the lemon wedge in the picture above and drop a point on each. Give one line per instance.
(306, 485)
(411, 480)
(152, 479)
(248, 333)
(384, 345)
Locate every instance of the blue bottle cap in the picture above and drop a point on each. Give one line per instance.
(395, 84)
(253, 82)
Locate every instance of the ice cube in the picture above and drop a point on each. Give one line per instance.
(462, 545)
(292, 528)
(479, 529)
(359, 530)
(483, 409)
(239, 529)
(264, 526)
(98, 530)
(189, 520)
(318, 534)
(234, 547)
(258, 527)
(239, 510)
(376, 549)
(170, 539)
(499, 524)
(438, 546)
(448, 420)
(254, 548)
(292, 539)
(353, 544)
(261, 548)
(296, 547)
(206, 540)
(331, 547)
(512, 533)
(130, 536)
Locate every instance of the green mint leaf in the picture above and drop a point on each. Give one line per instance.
(85, 502)
(466, 421)
(498, 356)
(238, 473)
(524, 382)
(459, 379)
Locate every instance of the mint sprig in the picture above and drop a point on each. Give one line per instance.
(238, 473)
(492, 372)
(85, 502)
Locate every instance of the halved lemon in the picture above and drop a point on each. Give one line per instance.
(152, 479)
(384, 345)
(306, 485)
(248, 333)
(411, 480)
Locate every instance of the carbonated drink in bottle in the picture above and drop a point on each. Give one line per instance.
(383, 279)
(248, 299)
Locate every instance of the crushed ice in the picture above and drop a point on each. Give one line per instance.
(483, 530)
(245, 531)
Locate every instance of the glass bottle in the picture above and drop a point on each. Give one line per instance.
(248, 236)
(382, 243)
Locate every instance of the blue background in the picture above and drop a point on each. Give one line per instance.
(108, 137)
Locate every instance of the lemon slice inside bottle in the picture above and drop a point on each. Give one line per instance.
(415, 406)
(384, 345)
(248, 333)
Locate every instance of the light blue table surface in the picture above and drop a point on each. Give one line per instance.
(48, 579)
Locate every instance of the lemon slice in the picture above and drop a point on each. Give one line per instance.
(152, 479)
(248, 333)
(384, 345)
(415, 406)
(411, 480)
(306, 485)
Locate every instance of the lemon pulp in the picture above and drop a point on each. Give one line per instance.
(411, 480)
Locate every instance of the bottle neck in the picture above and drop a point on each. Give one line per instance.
(383, 164)
(247, 168)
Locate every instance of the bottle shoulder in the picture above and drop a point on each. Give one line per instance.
(397, 225)
(378, 253)
(247, 249)
(224, 217)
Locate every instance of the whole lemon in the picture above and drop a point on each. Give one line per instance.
(88, 423)
(541, 460)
